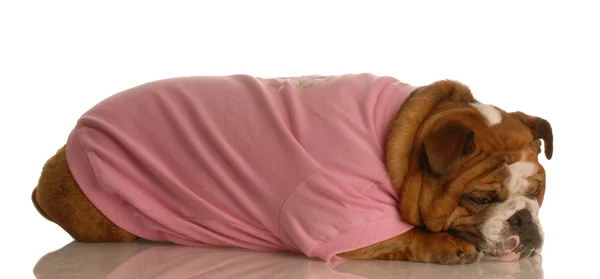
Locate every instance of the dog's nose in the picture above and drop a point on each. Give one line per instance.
(522, 220)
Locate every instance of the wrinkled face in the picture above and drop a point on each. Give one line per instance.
(498, 209)
(478, 177)
(500, 180)
(470, 169)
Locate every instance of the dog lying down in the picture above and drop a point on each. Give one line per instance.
(345, 167)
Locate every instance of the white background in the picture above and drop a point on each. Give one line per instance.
(59, 58)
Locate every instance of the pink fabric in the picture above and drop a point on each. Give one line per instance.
(286, 164)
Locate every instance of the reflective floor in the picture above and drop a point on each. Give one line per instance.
(150, 260)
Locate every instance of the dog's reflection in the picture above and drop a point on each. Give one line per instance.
(152, 260)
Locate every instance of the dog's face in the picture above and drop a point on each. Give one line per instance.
(501, 180)
(474, 172)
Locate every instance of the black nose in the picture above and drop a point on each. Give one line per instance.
(521, 221)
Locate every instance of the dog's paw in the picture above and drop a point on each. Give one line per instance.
(446, 249)
(452, 250)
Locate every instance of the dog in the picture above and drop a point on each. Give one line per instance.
(347, 167)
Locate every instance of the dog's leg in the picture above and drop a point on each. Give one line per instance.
(419, 245)
(59, 199)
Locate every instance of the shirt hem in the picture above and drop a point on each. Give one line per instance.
(361, 236)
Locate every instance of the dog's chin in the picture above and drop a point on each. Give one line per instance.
(505, 252)
(509, 249)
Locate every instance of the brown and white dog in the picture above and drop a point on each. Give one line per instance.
(472, 173)
(466, 174)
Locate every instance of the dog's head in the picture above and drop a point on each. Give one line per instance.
(470, 169)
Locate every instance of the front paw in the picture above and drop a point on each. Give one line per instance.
(443, 248)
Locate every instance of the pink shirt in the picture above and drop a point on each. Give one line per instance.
(286, 164)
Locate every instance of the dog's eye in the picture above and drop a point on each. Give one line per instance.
(481, 200)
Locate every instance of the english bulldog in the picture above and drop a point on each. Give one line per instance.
(346, 167)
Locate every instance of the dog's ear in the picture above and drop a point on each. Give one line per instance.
(540, 128)
(445, 145)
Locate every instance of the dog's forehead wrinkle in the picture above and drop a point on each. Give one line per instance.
(491, 113)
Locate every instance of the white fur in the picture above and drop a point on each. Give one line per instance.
(518, 174)
(496, 229)
(491, 113)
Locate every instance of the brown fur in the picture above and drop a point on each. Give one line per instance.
(435, 125)
(419, 245)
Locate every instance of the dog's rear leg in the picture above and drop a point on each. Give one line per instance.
(59, 199)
